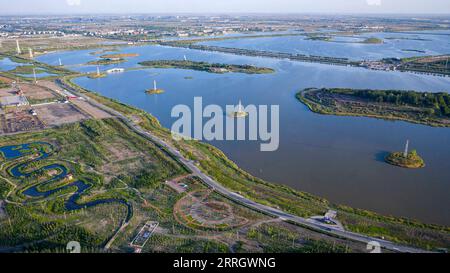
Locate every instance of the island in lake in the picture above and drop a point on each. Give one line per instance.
(96, 75)
(409, 160)
(155, 90)
(208, 67)
(373, 40)
(426, 108)
(119, 55)
(107, 61)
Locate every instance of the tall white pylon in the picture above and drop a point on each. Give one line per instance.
(98, 71)
(185, 59)
(405, 153)
(154, 85)
(34, 74)
(240, 108)
(30, 51)
(60, 63)
(19, 51)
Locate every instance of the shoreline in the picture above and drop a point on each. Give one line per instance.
(282, 197)
(319, 109)
(279, 188)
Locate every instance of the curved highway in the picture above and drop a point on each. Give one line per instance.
(216, 186)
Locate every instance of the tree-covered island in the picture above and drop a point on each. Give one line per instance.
(426, 108)
(208, 67)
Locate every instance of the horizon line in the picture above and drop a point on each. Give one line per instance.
(224, 13)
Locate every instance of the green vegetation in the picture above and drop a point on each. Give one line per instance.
(166, 244)
(208, 67)
(275, 238)
(96, 76)
(105, 153)
(320, 38)
(4, 84)
(22, 71)
(107, 61)
(429, 64)
(154, 91)
(214, 163)
(431, 109)
(27, 69)
(119, 55)
(372, 40)
(411, 161)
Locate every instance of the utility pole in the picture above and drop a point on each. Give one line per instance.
(405, 154)
(34, 74)
(19, 51)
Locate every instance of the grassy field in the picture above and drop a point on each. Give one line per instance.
(105, 153)
(4, 84)
(213, 162)
(428, 64)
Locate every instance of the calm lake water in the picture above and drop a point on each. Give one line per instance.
(7, 64)
(339, 158)
(399, 45)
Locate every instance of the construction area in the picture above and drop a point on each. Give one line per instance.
(27, 107)
(55, 114)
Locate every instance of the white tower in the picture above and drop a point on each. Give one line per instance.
(185, 59)
(60, 63)
(240, 109)
(154, 85)
(98, 71)
(405, 153)
(19, 51)
(30, 51)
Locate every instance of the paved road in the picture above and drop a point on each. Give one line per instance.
(240, 199)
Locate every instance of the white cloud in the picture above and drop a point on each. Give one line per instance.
(73, 2)
(373, 2)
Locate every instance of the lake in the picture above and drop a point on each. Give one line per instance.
(396, 45)
(339, 158)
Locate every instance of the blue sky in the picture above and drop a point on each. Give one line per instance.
(224, 6)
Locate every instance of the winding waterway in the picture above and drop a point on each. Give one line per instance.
(14, 152)
(339, 158)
